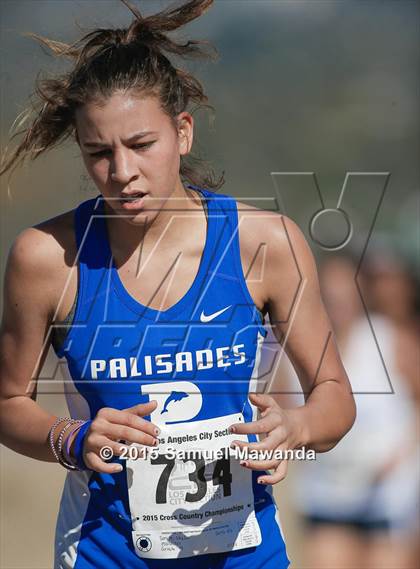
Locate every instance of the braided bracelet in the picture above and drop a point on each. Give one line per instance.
(62, 461)
(51, 435)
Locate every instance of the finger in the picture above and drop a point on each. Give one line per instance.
(260, 464)
(264, 425)
(129, 419)
(93, 462)
(269, 463)
(270, 443)
(262, 401)
(106, 448)
(143, 409)
(128, 434)
(278, 475)
(265, 412)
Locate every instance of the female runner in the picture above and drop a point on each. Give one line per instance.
(142, 290)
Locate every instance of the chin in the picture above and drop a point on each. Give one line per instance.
(137, 218)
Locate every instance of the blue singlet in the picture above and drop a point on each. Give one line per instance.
(199, 359)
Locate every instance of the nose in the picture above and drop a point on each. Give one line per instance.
(123, 167)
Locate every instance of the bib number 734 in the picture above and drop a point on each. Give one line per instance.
(221, 476)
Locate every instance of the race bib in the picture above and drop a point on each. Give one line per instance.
(190, 496)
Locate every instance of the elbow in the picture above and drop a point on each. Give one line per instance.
(347, 418)
(348, 413)
(352, 413)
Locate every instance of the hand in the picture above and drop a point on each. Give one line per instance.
(282, 432)
(112, 425)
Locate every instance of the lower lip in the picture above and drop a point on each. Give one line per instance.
(133, 204)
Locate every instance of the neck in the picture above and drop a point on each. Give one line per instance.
(125, 236)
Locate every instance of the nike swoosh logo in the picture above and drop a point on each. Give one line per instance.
(209, 317)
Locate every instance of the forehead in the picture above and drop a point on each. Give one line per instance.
(123, 113)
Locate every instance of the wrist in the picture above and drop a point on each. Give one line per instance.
(68, 442)
(56, 437)
(299, 427)
(78, 445)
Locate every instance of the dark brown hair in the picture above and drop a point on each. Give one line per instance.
(111, 60)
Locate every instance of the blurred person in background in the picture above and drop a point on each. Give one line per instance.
(360, 502)
(392, 290)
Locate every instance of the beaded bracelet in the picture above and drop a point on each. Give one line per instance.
(51, 439)
(62, 460)
(51, 435)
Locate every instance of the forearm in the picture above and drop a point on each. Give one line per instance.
(25, 426)
(328, 414)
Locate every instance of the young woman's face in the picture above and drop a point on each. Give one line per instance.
(121, 162)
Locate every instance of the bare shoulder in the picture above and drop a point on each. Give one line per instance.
(42, 256)
(41, 245)
(277, 233)
(274, 253)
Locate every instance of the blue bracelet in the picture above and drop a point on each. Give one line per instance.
(79, 439)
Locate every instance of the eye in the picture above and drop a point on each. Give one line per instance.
(144, 145)
(100, 153)
(135, 147)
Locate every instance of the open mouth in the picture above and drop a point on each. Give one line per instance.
(132, 201)
(133, 197)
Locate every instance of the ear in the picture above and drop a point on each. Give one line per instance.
(185, 132)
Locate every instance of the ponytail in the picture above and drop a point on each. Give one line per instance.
(120, 59)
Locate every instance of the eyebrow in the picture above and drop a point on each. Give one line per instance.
(136, 136)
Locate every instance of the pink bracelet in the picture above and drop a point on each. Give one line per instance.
(58, 455)
(61, 460)
(69, 438)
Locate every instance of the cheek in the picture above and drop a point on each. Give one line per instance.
(170, 148)
(164, 163)
(99, 171)
(97, 167)
(166, 154)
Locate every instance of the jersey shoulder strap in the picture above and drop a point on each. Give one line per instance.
(227, 263)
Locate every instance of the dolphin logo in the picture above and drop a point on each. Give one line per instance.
(174, 396)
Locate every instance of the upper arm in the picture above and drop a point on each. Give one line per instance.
(295, 307)
(28, 307)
